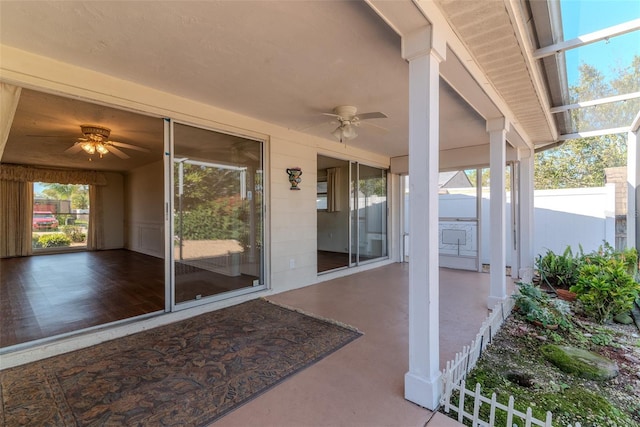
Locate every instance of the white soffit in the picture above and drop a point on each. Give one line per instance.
(486, 30)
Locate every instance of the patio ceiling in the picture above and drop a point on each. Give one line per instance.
(281, 62)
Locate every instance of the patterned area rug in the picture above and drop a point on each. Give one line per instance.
(188, 373)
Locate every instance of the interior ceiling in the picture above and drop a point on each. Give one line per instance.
(278, 61)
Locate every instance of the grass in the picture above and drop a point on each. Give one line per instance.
(515, 353)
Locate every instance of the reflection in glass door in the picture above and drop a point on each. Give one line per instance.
(372, 213)
(217, 214)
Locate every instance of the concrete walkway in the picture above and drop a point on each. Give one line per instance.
(362, 384)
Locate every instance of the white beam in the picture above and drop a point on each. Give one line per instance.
(635, 124)
(586, 39)
(599, 101)
(422, 380)
(497, 129)
(588, 134)
(633, 180)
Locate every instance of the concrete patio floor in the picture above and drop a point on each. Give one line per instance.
(362, 384)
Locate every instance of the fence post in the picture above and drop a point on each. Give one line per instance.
(463, 390)
(492, 413)
(476, 405)
(547, 422)
(510, 411)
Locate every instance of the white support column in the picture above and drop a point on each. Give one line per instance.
(527, 257)
(479, 217)
(424, 56)
(633, 179)
(497, 129)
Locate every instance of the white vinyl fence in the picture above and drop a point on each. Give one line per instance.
(565, 217)
(456, 371)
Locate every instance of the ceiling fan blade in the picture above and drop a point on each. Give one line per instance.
(373, 115)
(377, 127)
(129, 146)
(75, 148)
(331, 115)
(117, 152)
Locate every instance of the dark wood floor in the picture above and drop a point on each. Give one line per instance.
(47, 295)
(331, 260)
(328, 261)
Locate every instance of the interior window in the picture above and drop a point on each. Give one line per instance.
(60, 217)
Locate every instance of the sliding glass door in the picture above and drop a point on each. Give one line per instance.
(217, 214)
(372, 213)
(353, 231)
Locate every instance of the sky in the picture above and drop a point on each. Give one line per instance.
(582, 17)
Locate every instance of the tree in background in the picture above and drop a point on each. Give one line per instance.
(78, 194)
(581, 162)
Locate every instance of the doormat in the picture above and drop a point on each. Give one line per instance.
(188, 373)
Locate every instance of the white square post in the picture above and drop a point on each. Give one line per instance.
(497, 129)
(422, 380)
(526, 193)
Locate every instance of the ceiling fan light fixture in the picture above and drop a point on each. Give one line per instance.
(349, 131)
(345, 132)
(100, 148)
(89, 147)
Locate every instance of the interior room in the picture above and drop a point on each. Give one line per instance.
(112, 267)
(352, 213)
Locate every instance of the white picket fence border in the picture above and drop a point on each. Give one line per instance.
(455, 373)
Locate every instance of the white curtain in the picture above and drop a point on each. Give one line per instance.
(333, 190)
(9, 97)
(16, 200)
(95, 234)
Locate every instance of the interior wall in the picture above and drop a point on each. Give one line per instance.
(113, 208)
(144, 202)
(333, 227)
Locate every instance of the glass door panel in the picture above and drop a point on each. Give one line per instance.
(353, 215)
(372, 213)
(218, 213)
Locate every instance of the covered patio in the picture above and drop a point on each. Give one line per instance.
(262, 86)
(361, 384)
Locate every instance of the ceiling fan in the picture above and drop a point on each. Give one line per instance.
(349, 121)
(96, 140)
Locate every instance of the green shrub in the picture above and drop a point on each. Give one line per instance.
(559, 271)
(215, 220)
(628, 257)
(54, 240)
(74, 233)
(35, 241)
(605, 288)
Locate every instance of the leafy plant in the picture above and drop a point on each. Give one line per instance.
(536, 306)
(602, 339)
(605, 287)
(559, 271)
(628, 257)
(54, 240)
